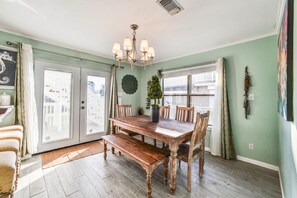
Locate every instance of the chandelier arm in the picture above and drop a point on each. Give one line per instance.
(132, 55)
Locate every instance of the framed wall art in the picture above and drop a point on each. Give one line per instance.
(8, 59)
(285, 63)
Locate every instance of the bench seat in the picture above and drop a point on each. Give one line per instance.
(145, 154)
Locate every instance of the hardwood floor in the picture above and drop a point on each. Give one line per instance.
(92, 177)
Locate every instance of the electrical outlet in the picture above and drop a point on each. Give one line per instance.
(251, 96)
(251, 147)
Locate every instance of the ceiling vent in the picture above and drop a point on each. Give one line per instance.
(171, 6)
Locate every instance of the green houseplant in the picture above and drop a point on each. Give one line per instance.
(155, 93)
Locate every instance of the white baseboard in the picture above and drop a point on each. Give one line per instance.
(262, 164)
(259, 163)
(281, 183)
(252, 161)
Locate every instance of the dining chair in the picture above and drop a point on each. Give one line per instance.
(185, 114)
(125, 110)
(164, 114)
(195, 150)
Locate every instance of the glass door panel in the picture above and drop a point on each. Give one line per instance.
(95, 104)
(56, 106)
(57, 98)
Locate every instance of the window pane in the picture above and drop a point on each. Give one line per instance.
(203, 83)
(96, 104)
(203, 104)
(175, 85)
(57, 92)
(173, 101)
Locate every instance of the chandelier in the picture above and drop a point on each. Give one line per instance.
(131, 56)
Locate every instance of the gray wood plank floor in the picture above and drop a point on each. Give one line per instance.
(92, 177)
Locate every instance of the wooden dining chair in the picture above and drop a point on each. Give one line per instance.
(185, 114)
(125, 111)
(164, 114)
(196, 148)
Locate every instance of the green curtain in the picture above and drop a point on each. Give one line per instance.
(19, 98)
(113, 100)
(227, 145)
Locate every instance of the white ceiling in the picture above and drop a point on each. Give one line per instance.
(94, 25)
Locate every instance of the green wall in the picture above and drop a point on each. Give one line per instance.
(261, 128)
(288, 137)
(269, 133)
(40, 55)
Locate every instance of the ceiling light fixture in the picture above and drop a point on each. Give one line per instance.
(131, 56)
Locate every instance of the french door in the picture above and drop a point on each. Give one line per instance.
(72, 104)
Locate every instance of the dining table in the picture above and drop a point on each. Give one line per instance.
(169, 131)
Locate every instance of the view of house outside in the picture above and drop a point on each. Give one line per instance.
(57, 105)
(200, 94)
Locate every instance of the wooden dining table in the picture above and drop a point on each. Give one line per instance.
(171, 132)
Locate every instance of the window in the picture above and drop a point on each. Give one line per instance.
(190, 89)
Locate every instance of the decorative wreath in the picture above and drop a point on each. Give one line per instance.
(129, 84)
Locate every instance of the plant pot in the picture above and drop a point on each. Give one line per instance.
(155, 114)
(140, 111)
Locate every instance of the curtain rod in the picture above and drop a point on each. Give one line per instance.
(190, 66)
(11, 43)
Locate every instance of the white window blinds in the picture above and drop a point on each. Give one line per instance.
(188, 70)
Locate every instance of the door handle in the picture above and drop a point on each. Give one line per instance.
(82, 107)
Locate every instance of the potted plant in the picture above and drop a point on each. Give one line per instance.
(155, 93)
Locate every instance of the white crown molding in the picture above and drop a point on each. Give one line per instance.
(252, 161)
(219, 47)
(279, 16)
(59, 45)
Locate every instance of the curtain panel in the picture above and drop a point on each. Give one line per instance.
(221, 143)
(113, 100)
(25, 104)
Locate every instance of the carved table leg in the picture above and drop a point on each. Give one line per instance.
(113, 131)
(105, 149)
(173, 165)
(149, 184)
(165, 170)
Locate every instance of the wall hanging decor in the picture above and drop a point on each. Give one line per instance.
(8, 58)
(285, 63)
(247, 85)
(148, 101)
(129, 84)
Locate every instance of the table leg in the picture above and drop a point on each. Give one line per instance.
(173, 165)
(113, 131)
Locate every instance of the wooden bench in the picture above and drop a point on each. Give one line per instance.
(145, 154)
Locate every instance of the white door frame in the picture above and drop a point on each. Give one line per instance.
(78, 116)
(40, 67)
(83, 112)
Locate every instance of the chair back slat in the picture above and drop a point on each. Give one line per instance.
(165, 112)
(199, 133)
(185, 114)
(124, 110)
